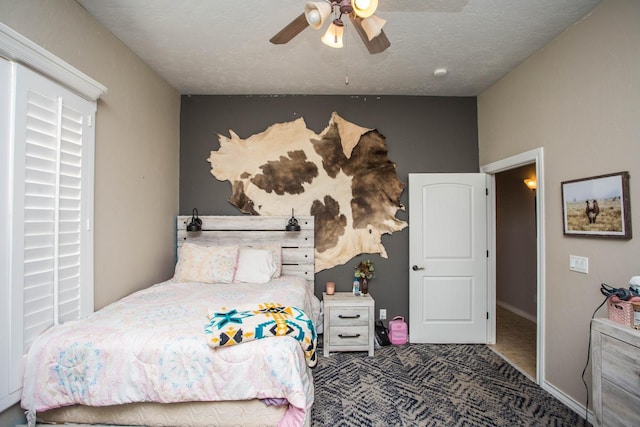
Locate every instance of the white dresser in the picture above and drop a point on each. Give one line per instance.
(348, 322)
(615, 353)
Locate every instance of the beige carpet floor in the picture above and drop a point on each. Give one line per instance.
(516, 341)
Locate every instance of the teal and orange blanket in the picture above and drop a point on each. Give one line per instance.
(231, 326)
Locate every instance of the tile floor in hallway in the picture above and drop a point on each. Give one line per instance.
(516, 340)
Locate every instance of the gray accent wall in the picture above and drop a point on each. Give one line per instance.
(423, 135)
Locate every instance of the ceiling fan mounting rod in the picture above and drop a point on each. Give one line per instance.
(344, 6)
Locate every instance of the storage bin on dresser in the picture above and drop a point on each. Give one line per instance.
(615, 355)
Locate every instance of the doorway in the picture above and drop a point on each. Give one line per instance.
(496, 300)
(515, 260)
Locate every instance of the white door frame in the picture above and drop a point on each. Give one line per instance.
(533, 156)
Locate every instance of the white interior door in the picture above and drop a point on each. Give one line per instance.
(448, 258)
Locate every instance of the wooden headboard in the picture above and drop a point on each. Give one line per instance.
(297, 246)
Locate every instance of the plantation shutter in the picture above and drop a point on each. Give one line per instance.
(53, 207)
(47, 108)
(52, 210)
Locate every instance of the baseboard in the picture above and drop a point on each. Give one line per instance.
(517, 311)
(568, 401)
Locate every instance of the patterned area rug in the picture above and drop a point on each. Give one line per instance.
(431, 385)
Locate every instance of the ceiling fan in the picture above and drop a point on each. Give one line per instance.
(360, 12)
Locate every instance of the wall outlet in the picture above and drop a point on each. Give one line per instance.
(579, 264)
(383, 314)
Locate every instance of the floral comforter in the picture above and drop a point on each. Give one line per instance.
(150, 347)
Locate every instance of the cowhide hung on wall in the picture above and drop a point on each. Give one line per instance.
(341, 176)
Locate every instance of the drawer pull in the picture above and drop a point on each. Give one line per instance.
(342, 316)
(349, 336)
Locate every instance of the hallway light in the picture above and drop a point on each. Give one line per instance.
(531, 183)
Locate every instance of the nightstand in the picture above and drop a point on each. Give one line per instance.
(348, 322)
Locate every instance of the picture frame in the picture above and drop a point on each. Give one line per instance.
(598, 206)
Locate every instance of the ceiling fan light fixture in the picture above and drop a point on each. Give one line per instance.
(372, 26)
(333, 36)
(317, 13)
(364, 8)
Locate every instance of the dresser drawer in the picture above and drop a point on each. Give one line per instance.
(349, 316)
(349, 336)
(619, 365)
(616, 375)
(619, 408)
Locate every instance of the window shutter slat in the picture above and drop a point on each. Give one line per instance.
(36, 281)
(38, 177)
(38, 265)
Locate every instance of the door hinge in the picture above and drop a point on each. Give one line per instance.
(90, 120)
(486, 191)
(487, 315)
(487, 253)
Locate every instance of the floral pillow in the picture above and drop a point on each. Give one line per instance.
(206, 264)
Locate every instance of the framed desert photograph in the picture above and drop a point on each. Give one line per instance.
(598, 206)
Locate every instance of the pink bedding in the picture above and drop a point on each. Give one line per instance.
(151, 347)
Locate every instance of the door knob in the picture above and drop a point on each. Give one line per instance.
(416, 268)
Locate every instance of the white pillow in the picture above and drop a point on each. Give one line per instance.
(255, 266)
(276, 253)
(206, 264)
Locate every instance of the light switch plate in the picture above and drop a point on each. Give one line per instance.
(579, 264)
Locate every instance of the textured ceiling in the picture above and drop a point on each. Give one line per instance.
(222, 47)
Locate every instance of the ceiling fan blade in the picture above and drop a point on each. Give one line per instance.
(378, 44)
(290, 31)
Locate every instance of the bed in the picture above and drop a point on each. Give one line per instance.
(150, 358)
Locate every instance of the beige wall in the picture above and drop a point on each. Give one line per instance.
(137, 145)
(579, 98)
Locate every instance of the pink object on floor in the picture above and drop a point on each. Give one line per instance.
(398, 331)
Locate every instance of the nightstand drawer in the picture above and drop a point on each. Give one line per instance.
(349, 316)
(349, 336)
